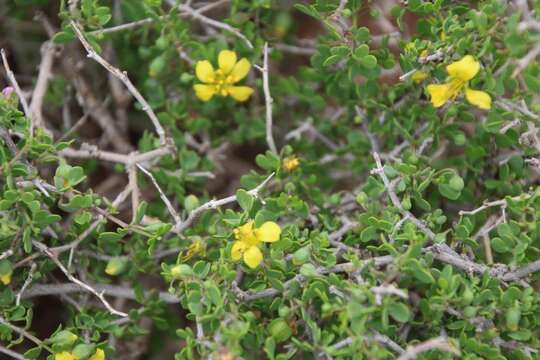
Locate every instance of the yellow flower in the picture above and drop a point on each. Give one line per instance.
(460, 72)
(222, 80)
(98, 355)
(196, 247)
(5, 279)
(290, 163)
(249, 239)
(64, 355)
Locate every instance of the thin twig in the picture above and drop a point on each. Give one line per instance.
(343, 267)
(197, 14)
(12, 353)
(213, 204)
(109, 290)
(122, 75)
(526, 60)
(92, 152)
(27, 282)
(171, 209)
(439, 343)
(18, 91)
(6, 254)
(146, 21)
(268, 101)
(135, 192)
(47, 50)
(24, 333)
(488, 204)
(43, 248)
(389, 289)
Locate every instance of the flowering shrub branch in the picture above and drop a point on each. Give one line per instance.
(370, 190)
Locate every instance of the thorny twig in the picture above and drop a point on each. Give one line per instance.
(27, 282)
(171, 209)
(122, 75)
(268, 101)
(440, 343)
(197, 15)
(213, 204)
(12, 353)
(43, 248)
(142, 22)
(502, 202)
(109, 290)
(45, 68)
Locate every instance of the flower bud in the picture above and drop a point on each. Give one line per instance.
(64, 338)
(5, 272)
(181, 271)
(279, 330)
(82, 351)
(456, 183)
(116, 266)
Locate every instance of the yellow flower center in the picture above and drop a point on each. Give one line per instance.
(455, 86)
(222, 82)
(291, 163)
(246, 234)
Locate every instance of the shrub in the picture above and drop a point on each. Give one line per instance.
(265, 179)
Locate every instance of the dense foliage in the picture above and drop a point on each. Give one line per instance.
(243, 179)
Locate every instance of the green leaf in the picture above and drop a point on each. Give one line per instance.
(331, 60)
(308, 10)
(532, 82)
(361, 51)
(399, 312)
(448, 192)
(245, 200)
(27, 240)
(191, 202)
(413, 266)
(77, 202)
(103, 14)
(369, 61)
(33, 353)
(83, 351)
(368, 234)
(109, 237)
(139, 214)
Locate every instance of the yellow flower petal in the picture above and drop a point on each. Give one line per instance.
(98, 355)
(205, 71)
(5, 279)
(253, 257)
(240, 93)
(64, 355)
(204, 92)
(268, 232)
(478, 98)
(440, 93)
(240, 70)
(226, 60)
(464, 69)
(238, 249)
